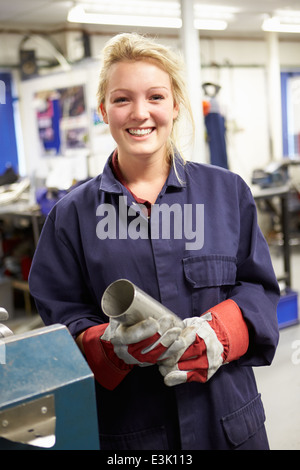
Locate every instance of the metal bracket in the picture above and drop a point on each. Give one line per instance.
(30, 423)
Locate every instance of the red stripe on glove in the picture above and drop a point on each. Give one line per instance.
(138, 350)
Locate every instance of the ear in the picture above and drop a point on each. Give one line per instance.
(103, 112)
(175, 110)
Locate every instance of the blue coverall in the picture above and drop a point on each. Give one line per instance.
(75, 261)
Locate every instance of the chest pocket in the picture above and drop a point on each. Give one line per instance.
(210, 279)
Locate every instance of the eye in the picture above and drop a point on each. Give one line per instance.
(157, 97)
(120, 99)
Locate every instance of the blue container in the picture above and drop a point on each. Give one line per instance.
(287, 310)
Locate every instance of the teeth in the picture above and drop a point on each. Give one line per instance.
(139, 131)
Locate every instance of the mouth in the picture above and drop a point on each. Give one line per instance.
(140, 132)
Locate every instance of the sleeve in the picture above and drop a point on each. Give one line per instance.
(58, 283)
(256, 290)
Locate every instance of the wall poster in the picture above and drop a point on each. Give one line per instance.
(62, 120)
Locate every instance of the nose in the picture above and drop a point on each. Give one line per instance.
(139, 110)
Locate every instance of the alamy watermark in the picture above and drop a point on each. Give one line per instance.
(2, 92)
(296, 353)
(166, 222)
(2, 352)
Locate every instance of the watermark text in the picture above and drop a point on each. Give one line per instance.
(2, 352)
(296, 352)
(166, 222)
(2, 92)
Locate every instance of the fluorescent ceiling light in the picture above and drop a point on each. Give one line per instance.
(210, 24)
(166, 18)
(215, 11)
(137, 7)
(79, 15)
(275, 24)
(213, 17)
(288, 16)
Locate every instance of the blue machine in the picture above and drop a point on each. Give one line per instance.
(47, 393)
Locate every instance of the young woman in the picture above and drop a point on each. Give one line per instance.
(186, 234)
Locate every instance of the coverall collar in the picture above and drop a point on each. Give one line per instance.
(110, 184)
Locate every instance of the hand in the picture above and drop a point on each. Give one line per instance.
(142, 343)
(112, 349)
(206, 342)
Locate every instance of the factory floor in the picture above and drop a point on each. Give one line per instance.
(279, 384)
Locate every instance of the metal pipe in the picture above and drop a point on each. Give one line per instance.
(128, 304)
(3, 314)
(4, 330)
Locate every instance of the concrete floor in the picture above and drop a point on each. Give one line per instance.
(279, 384)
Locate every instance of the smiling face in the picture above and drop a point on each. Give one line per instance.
(139, 108)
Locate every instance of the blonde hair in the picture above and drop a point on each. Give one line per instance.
(132, 47)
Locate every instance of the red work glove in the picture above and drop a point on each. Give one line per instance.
(219, 336)
(112, 349)
(107, 368)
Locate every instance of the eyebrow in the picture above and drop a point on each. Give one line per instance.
(124, 90)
